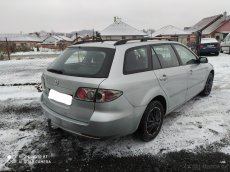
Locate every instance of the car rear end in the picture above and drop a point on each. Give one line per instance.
(209, 46)
(73, 100)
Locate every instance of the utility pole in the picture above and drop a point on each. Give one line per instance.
(93, 34)
(7, 49)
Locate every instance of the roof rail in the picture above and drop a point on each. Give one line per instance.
(124, 41)
(88, 41)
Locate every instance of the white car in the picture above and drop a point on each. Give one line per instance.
(103, 90)
(225, 44)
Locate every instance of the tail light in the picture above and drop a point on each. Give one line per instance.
(86, 94)
(103, 95)
(201, 46)
(97, 95)
(218, 46)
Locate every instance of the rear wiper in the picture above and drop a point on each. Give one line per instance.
(55, 71)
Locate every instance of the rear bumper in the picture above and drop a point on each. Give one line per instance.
(101, 125)
(210, 50)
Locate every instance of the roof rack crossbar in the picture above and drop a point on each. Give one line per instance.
(124, 41)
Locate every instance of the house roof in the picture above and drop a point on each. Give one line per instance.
(119, 28)
(19, 38)
(56, 39)
(202, 23)
(216, 25)
(65, 38)
(169, 30)
(205, 21)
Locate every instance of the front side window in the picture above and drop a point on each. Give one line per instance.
(186, 56)
(166, 55)
(136, 60)
(84, 62)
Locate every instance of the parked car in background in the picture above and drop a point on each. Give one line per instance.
(109, 89)
(226, 42)
(209, 46)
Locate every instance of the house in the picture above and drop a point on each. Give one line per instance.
(20, 40)
(120, 30)
(77, 38)
(172, 32)
(56, 42)
(218, 29)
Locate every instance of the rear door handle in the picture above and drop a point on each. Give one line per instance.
(163, 78)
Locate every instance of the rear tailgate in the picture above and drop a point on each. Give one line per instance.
(78, 110)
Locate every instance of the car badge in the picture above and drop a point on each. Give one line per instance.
(56, 82)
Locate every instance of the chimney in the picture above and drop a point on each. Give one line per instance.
(115, 19)
(225, 16)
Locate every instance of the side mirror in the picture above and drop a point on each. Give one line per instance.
(203, 60)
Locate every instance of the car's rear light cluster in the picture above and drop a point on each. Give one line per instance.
(218, 46)
(97, 95)
(86, 94)
(201, 46)
(104, 95)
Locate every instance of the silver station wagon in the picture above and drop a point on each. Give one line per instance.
(107, 89)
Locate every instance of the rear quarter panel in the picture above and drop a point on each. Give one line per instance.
(139, 88)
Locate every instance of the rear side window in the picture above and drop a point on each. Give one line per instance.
(155, 60)
(136, 60)
(166, 55)
(186, 56)
(84, 62)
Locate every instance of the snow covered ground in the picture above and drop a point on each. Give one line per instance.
(31, 53)
(22, 71)
(202, 124)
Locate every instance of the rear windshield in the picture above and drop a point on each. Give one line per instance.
(84, 62)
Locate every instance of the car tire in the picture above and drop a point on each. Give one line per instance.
(221, 50)
(217, 54)
(151, 121)
(208, 86)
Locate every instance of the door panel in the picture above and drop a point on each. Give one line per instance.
(196, 79)
(172, 77)
(196, 72)
(174, 83)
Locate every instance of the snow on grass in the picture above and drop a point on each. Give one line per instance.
(11, 142)
(35, 53)
(19, 124)
(18, 92)
(23, 71)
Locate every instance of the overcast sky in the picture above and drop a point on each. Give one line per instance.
(70, 15)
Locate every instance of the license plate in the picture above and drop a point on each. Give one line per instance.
(211, 46)
(60, 97)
